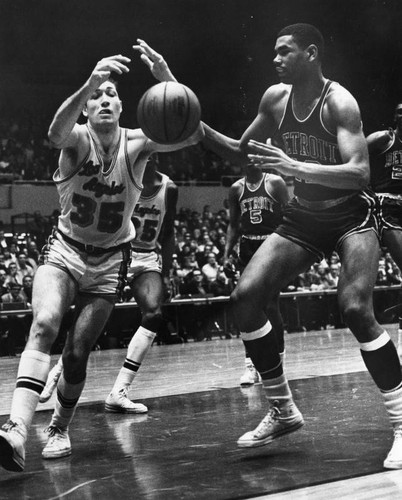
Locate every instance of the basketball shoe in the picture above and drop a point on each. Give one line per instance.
(12, 446)
(51, 383)
(118, 402)
(276, 423)
(58, 443)
(394, 458)
(250, 375)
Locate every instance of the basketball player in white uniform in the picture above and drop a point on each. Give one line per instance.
(99, 180)
(151, 253)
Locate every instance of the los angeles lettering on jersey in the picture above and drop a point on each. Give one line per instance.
(141, 210)
(101, 189)
(303, 145)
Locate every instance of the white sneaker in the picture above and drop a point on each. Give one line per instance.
(250, 375)
(12, 446)
(118, 402)
(394, 458)
(51, 383)
(275, 424)
(58, 443)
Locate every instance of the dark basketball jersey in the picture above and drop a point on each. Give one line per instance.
(260, 213)
(386, 168)
(309, 141)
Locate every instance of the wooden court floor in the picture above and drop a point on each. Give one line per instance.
(185, 448)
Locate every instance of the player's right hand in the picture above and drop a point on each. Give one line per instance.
(105, 67)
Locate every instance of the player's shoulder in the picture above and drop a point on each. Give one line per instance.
(274, 179)
(380, 140)
(339, 96)
(276, 92)
(134, 133)
(238, 185)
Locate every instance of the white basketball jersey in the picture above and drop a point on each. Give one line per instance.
(148, 216)
(97, 204)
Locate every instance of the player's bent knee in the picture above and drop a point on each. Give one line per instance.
(152, 320)
(44, 327)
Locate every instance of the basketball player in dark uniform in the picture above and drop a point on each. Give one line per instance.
(255, 210)
(385, 149)
(316, 131)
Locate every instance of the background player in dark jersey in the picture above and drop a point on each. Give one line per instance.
(151, 253)
(255, 210)
(385, 149)
(317, 125)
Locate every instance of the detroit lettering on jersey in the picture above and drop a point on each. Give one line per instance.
(256, 203)
(393, 159)
(97, 187)
(311, 148)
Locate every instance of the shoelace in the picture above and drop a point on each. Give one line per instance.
(9, 425)
(270, 417)
(123, 392)
(398, 432)
(53, 431)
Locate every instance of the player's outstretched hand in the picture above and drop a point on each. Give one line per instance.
(106, 66)
(155, 62)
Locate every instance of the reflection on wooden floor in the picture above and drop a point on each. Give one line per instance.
(185, 448)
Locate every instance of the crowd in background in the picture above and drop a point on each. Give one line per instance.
(197, 271)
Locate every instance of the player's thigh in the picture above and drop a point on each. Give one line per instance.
(392, 239)
(53, 292)
(276, 263)
(147, 289)
(91, 315)
(360, 253)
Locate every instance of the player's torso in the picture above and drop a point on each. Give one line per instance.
(148, 216)
(97, 200)
(386, 168)
(260, 213)
(309, 140)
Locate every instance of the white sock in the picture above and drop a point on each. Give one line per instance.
(278, 390)
(393, 404)
(32, 374)
(136, 352)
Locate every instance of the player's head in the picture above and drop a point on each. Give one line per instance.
(299, 48)
(104, 107)
(398, 115)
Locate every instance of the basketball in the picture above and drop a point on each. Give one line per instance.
(169, 113)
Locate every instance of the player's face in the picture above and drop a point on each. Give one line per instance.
(104, 105)
(398, 116)
(290, 59)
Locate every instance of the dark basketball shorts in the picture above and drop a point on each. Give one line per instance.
(247, 248)
(389, 212)
(323, 231)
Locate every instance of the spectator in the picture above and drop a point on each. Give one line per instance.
(26, 291)
(12, 275)
(211, 268)
(23, 268)
(3, 286)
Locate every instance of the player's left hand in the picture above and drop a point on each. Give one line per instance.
(155, 62)
(270, 157)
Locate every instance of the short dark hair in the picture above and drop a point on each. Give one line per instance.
(304, 35)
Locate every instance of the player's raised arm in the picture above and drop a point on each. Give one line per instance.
(61, 132)
(260, 129)
(155, 62)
